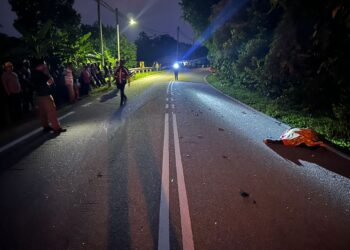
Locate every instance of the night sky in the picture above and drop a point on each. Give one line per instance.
(154, 17)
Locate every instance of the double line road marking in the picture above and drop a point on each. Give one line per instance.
(186, 228)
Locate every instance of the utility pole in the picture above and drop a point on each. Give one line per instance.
(177, 45)
(118, 41)
(101, 36)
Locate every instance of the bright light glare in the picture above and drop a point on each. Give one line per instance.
(231, 8)
(176, 66)
(132, 22)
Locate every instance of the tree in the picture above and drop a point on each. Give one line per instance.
(9, 48)
(32, 14)
(128, 49)
(162, 49)
(295, 52)
(197, 12)
(128, 52)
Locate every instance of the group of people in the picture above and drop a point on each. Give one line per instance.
(49, 86)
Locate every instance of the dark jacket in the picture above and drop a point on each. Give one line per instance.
(121, 75)
(39, 80)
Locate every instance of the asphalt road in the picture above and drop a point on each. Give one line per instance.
(180, 166)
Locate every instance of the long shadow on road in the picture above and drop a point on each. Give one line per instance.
(134, 191)
(320, 156)
(10, 157)
(109, 95)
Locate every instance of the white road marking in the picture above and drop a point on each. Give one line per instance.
(173, 106)
(164, 240)
(166, 106)
(167, 99)
(171, 88)
(169, 85)
(86, 104)
(186, 228)
(64, 116)
(24, 137)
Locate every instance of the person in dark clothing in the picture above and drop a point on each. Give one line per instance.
(93, 72)
(42, 81)
(176, 67)
(108, 73)
(24, 75)
(85, 80)
(99, 74)
(122, 75)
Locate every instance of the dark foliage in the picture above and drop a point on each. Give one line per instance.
(162, 49)
(295, 52)
(32, 14)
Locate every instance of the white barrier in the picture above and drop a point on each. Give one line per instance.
(141, 70)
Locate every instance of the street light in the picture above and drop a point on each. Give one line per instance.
(131, 22)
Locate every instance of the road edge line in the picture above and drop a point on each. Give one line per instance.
(28, 135)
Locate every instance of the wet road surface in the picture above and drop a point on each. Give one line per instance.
(180, 166)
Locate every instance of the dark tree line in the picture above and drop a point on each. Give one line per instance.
(296, 52)
(162, 49)
(52, 30)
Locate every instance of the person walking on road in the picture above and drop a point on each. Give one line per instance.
(122, 75)
(176, 67)
(47, 109)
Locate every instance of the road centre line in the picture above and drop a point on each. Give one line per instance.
(163, 233)
(186, 228)
(171, 88)
(168, 88)
(24, 137)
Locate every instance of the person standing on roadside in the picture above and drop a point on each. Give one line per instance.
(24, 75)
(122, 75)
(42, 81)
(85, 80)
(69, 82)
(107, 74)
(13, 90)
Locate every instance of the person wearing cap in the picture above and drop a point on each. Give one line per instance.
(47, 108)
(13, 90)
(122, 75)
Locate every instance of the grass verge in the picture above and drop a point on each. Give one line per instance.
(327, 127)
(142, 75)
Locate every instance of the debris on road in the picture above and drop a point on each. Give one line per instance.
(297, 136)
(244, 194)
